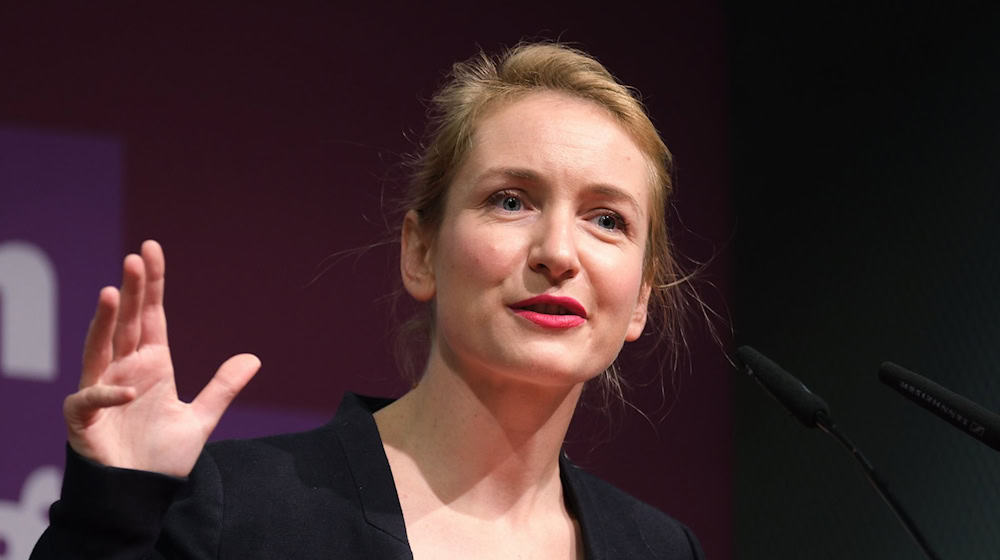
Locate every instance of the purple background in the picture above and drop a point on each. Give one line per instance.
(61, 193)
(258, 141)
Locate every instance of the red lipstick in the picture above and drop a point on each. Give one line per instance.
(553, 312)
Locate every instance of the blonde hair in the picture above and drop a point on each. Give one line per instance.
(481, 83)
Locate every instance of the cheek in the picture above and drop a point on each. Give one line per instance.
(476, 257)
(616, 275)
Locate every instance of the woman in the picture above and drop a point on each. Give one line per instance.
(535, 234)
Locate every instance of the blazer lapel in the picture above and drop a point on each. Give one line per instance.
(366, 459)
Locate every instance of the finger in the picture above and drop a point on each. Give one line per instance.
(80, 407)
(231, 378)
(97, 346)
(128, 327)
(153, 318)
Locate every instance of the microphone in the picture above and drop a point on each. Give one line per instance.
(952, 407)
(812, 411)
(789, 391)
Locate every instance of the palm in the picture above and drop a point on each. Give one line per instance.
(127, 413)
(120, 435)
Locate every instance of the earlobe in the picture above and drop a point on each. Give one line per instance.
(415, 259)
(638, 322)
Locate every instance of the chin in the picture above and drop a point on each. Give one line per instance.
(552, 374)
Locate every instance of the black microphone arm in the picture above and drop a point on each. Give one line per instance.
(812, 411)
(952, 407)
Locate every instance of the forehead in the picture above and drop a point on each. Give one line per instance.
(557, 138)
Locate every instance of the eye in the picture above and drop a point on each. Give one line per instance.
(507, 201)
(511, 203)
(611, 222)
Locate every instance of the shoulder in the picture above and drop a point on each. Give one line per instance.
(295, 492)
(326, 456)
(303, 452)
(274, 455)
(623, 525)
(275, 478)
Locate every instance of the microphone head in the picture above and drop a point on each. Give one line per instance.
(951, 407)
(784, 387)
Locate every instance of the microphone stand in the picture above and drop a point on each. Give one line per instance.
(826, 424)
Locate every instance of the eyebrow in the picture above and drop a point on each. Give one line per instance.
(615, 194)
(512, 172)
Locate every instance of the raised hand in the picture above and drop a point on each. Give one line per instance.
(126, 413)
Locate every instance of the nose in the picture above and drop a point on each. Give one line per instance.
(553, 251)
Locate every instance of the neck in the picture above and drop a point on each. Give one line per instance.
(483, 446)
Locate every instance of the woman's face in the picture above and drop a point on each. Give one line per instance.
(536, 271)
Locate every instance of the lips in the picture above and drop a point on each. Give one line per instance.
(554, 312)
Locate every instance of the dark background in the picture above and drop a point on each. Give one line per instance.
(837, 170)
(865, 163)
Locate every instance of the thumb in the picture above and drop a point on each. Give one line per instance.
(232, 376)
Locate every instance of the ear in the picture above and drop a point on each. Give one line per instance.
(415, 264)
(638, 321)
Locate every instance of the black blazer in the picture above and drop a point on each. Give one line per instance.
(326, 493)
